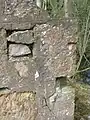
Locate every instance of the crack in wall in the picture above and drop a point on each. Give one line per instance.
(46, 105)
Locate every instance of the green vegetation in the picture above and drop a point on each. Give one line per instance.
(82, 14)
(82, 105)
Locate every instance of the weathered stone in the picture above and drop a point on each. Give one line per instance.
(3, 46)
(18, 106)
(20, 14)
(88, 117)
(17, 50)
(54, 58)
(20, 45)
(22, 69)
(15, 76)
(55, 49)
(62, 104)
(25, 37)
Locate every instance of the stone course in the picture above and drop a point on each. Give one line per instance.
(36, 59)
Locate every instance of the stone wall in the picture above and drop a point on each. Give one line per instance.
(36, 59)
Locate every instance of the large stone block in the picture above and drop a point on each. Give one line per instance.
(20, 14)
(55, 48)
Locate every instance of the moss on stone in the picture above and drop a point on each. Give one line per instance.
(82, 104)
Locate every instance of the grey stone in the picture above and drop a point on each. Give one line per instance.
(25, 37)
(54, 58)
(16, 73)
(22, 69)
(17, 50)
(18, 76)
(20, 14)
(55, 51)
(62, 104)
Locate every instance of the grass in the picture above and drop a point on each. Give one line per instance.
(82, 14)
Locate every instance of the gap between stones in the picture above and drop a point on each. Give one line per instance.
(9, 31)
(30, 46)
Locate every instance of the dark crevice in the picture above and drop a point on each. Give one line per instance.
(12, 42)
(8, 50)
(26, 55)
(61, 81)
(4, 88)
(71, 43)
(31, 48)
(10, 31)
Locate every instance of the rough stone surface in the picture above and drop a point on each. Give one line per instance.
(22, 14)
(25, 30)
(20, 44)
(24, 37)
(55, 49)
(54, 58)
(18, 106)
(21, 69)
(63, 107)
(16, 50)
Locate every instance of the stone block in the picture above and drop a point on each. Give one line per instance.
(23, 37)
(55, 48)
(17, 50)
(62, 103)
(20, 14)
